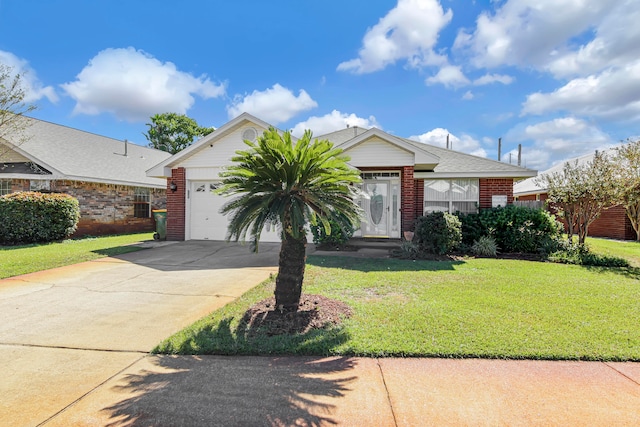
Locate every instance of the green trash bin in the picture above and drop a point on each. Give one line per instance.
(160, 215)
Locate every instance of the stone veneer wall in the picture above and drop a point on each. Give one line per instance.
(104, 208)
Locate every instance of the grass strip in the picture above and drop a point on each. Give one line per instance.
(16, 260)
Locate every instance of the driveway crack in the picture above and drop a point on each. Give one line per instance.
(91, 391)
(386, 389)
(98, 291)
(622, 373)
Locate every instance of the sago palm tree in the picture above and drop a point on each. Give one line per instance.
(288, 184)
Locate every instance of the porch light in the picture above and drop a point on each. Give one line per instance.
(173, 186)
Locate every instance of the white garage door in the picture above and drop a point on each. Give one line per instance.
(207, 223)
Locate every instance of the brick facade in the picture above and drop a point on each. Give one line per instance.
(104, 208)
(176, 208)
(407, 199)
(490, 187)
(614, 224)
(419, 195)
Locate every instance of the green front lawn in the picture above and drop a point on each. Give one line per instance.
(471, 308)
(630, 250)
(16, 260)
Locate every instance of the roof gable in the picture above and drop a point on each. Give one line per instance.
(420, 157)
(224, 141)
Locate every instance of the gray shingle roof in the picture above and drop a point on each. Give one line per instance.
(82, 156)
(530, 186)
(456, 162)
(343, 135)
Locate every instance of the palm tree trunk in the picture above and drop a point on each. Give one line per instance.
(290, 272)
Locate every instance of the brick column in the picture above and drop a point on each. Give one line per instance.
(176, 205)
(408, 200)
(419, 193)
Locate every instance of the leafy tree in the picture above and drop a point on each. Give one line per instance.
(172, 132)
(289, 185)
(580, 192)
(12, 107)
(627, 181)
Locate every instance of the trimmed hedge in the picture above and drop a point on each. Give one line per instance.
(437, 233)
(30, 217)
(514, 228)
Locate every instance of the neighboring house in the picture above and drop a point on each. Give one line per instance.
(402, 180)
(612, 223)
(107, 176)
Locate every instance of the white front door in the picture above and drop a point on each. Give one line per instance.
(381, 205)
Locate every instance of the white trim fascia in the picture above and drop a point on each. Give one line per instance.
(497, 174)
(420, 156)
(80, 179)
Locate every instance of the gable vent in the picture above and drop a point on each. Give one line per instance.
(249, 133)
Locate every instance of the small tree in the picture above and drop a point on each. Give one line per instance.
(12, 108)
(291, 185)
(580, 192)
(172, 132)
(627, 181)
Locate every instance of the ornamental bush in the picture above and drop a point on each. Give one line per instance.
(341, 231)
(30, 217)
(514, 228)
(438, 233)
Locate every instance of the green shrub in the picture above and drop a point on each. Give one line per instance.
(407, 250)
(437, 233)
(341, 231)
(31, 217)
(515, 228)
(485, 246)
(581, 255)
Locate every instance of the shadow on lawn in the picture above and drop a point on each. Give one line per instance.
(381, 264)
(232, 391)
(628, 272)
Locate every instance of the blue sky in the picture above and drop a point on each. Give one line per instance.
(560, 77)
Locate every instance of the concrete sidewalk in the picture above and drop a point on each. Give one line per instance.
(306, 391)
(74, 345)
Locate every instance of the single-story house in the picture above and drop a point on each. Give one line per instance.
(107, 176)
(402, 179)
(613, 222)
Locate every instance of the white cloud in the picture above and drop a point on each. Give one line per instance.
(133, 85)
(408, 32)
(449, 76)
(557, 140)
(531, 32)
(33, 88)
(493, 78)
(616, 42)
(274, 105)
(438, 137)
(468, 95)
(332, 122)
(612, 94)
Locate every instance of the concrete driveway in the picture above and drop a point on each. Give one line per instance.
(65, 331)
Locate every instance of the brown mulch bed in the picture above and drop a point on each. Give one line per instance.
(314, 312)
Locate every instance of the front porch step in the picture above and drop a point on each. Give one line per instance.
(371, 243)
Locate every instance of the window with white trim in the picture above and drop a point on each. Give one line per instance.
(5, 187)
(451, 195)
(141, 203)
